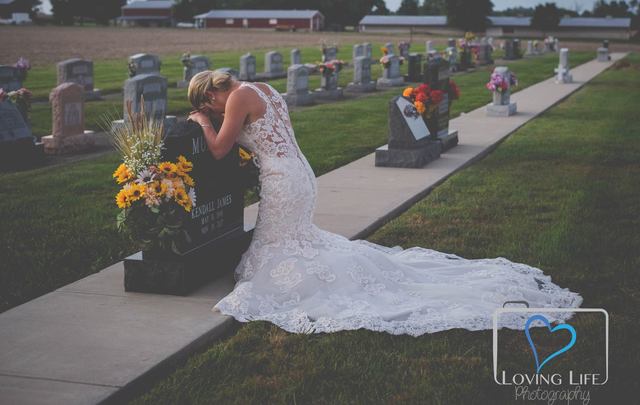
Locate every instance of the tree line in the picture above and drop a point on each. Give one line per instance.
(468, 15)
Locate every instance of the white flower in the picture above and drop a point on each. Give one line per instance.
(192, 196)
(145, 176)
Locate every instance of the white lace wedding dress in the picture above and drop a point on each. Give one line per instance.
(308, 280)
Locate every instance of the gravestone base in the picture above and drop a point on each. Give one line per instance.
(269, 75)
(297, 99)
(20, 154)
(395, 82)
(181, 274)
(334, 94)
(55, 145)
(504, 110)
(448, 141)
(409, 158)
(170, 121)
(361, 87)
(565, 79)
(93, 95)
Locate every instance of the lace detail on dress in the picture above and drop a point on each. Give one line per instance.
(308, 280)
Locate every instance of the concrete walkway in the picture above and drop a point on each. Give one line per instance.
(90, 341)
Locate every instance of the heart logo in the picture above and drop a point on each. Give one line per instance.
(544, 320)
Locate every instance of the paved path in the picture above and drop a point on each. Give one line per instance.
(90, 341)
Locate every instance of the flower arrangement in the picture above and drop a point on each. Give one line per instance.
(385, 60)
(425, 100)
(21, 98)
(330, 67)
(250, 168)
(154, 193)
(23, 67)
(498, 83)
(469, 36)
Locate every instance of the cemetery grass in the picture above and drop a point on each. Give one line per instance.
(65, 216)
(560, 194)
(109, 77)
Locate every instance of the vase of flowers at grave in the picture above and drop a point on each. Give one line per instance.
(385, 60)
(186, 60)
(329, 71)
(21, 98)
(500, 85)
(425, 101)
(154, 193)
(23, 67)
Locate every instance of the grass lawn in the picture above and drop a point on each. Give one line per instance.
(561, 194)
(64, 216)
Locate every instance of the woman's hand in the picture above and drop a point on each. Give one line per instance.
(200, 117)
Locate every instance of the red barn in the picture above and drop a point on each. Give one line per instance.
(311, 20)
(146, 13)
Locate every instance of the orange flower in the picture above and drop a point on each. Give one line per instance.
(407, 92)
(420, 107)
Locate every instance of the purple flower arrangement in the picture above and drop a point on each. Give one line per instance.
(499, 83)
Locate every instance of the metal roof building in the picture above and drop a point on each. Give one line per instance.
(152, 12)
(569, 27)
(311, 20)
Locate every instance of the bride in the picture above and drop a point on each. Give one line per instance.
(308, 280)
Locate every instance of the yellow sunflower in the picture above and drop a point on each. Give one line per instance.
(136, 192)
(122, 199)
(158, 188)
(168, 168)
(182, 198)
(183, 166)
(188, 180)
(122, 174)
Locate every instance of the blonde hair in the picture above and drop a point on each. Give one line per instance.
(208, 80)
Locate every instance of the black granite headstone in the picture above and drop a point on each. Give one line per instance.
(437, 75)
(215, 225)
(409, 144)
(415, 64)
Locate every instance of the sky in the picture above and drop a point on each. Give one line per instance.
(497, 4)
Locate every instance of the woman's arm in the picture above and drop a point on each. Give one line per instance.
(220, 143)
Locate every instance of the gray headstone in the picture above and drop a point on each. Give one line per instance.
(429, 47)
(367, 50)
(329, 53)
(358, 50)
(76, 71)
(390, 48)
(563, 74)
(144, 63)
(9, 78)
(393, 71)
(296, 57)
(297, 79)
(273, 63)
(403, 49)
(247, 67)
(12, 124)
(329, 82)
(197, 64)
(154, 89)
(361, 70)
